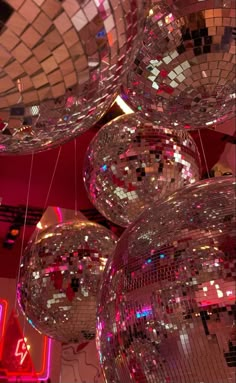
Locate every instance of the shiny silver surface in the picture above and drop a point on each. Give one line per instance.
(130, 163)
(184, 74)
(62, 63)
(60, 275)
(167, 308)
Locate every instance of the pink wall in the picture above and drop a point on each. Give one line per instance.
(80, 365)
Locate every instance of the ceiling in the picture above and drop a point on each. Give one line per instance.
(15, 170)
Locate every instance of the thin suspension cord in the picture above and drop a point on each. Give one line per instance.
(45, 205)
(25, 220)
(75, 169)
(53, 175)
(204, 155)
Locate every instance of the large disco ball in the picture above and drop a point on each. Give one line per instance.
(131, 162)
(167, 310)
(184, 74)
(62, 63)
(60, 275)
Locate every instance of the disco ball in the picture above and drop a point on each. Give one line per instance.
(184, 74)
(167, 309)
(131, 162)
(60, 275)
(62, 63)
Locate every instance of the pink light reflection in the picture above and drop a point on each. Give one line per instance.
(58, 213)
(1, 310)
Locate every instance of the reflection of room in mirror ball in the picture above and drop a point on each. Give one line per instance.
(184, 74)
(169, 313)
(62, 63)
(60, 276)
(131, 162)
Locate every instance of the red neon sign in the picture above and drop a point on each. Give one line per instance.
(3, 314)
(19, 363)
(21, 350)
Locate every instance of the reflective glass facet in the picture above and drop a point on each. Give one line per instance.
(167, 309)
(131, 163)
(184, 74)
(62, 63)
(60, 275)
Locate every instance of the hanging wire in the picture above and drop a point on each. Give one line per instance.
(24, 225)
(204, 154)
(45, 205)
(53, 175)
(75, 169)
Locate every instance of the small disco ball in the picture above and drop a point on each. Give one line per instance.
(184, 74)
(167, 309)
(62, 63)
(60, 275)
(131, 162)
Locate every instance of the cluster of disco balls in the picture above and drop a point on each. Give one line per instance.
(62, 66)
(166, 310)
